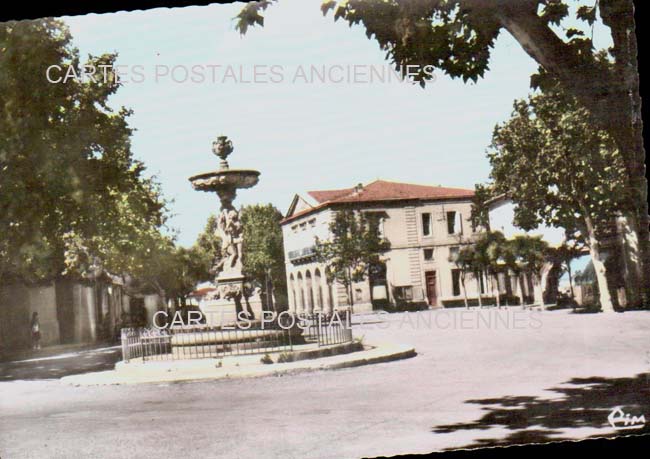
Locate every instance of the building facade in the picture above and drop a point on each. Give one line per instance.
(425, 226)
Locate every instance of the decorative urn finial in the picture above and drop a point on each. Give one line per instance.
(222, 147)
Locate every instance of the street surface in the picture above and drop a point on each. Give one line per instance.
(57, 366)
(481, 377)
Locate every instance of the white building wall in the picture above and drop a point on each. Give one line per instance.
(406, 265)
(307, 285)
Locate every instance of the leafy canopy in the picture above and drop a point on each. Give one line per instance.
(455, 36)
(354, 246)
(556, 166)
(263, 245)
(72, 196)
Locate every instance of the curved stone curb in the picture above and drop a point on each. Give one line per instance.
(406, 354)
(206, 370)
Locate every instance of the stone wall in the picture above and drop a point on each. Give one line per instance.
(17, 303)
(69, 312)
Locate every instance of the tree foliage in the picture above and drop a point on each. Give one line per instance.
(560, 171)
(263, 259)
(493, 254)
(355, 244)
(557, 168)
(456, 36)
(480, 215)
(72, 196)
(525, 254)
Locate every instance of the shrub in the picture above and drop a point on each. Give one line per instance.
(285, 357)
(266, 359)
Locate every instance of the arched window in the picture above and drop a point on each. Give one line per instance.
(301, 294)
(319, 289)
(330, 293)
(309, 292)
(292, 292)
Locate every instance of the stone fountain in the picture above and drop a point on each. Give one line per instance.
(232, 297)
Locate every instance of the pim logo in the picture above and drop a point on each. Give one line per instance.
(621, 421)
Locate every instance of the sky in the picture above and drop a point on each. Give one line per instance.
(300, 135)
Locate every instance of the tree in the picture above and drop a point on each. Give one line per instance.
(565, 254)
(527, 256)
(187, 268)
(180, 269)
(480, 216)
(561, 172)
(263, 260)
(208, 242)
(72, 197)
(489, 258)
(173, 271)
(457, 36)
(355, 245)
(465, 261)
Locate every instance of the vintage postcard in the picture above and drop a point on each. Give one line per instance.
(322, 229)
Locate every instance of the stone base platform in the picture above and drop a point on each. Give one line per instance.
(249, 366)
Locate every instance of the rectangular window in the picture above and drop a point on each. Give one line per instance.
(404, 293)
(426, 224)
(455, 281)
(376, 220)
(454, 224)
(358, 295)
(428, 254)
(453, 253)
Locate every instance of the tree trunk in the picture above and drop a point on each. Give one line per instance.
(570, 273)
(521, 290)
(462, 283)
(498, 293)
(618, 15)
(612, 97)
(350, 298)
(538, 292)
(543, 283)
(630, 258)
(599, 267)
(478, 289)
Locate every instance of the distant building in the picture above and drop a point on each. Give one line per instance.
(71, 312)
(425, 225)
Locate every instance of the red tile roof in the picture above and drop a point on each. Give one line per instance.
(328, 195)
(381, 191)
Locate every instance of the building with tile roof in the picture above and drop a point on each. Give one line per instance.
(425, 225)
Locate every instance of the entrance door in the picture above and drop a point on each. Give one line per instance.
(378, 289)
(430, 279)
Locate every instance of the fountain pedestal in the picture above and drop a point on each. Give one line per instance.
(233, 302)
(233, 299)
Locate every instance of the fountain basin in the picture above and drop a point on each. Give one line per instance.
(225, 179)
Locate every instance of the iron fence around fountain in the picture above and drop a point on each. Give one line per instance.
(327, 329)
(201, 341)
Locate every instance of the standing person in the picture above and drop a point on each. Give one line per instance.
(36, 331)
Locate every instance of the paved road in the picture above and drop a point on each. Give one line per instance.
(481, 377)
(67, 363)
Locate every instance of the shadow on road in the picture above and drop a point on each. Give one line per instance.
(60, 366)
(584, 402)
